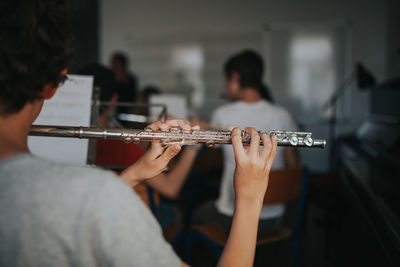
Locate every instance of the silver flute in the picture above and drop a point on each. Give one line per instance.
(173, 136)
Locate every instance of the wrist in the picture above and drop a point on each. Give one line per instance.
(130, 176)
(251, 203)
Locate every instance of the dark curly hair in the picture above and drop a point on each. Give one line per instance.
(36, 45)
(250, 67)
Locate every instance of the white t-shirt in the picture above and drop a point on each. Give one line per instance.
(262, 116)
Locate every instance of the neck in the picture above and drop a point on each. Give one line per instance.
(249, 95)
(14, 131)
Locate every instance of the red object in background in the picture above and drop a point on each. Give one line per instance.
(117, 153)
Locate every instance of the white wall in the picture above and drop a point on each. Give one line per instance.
(122, 21)
(139, 24)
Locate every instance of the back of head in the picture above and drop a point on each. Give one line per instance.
(36, 45)
(250, 67)
(119, 60)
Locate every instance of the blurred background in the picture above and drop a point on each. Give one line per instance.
(311, 49)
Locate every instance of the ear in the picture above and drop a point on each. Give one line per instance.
(235, 76)
(50, 89)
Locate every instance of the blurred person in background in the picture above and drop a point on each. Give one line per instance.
(252, 105)
(126, 82)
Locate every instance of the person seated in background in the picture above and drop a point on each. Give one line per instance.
(127, 83)
(59, 215)
(252, 106)
(144, 99)
(103, 78)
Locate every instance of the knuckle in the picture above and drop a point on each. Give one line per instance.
(236, 130)
(236, 133)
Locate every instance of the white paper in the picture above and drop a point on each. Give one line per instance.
(70, 106)
(176, 105)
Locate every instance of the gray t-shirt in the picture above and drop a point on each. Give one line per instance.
(57, 215)
(263, 116)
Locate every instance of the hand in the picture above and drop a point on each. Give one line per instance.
(204, 125)
(154, 161)
(252, 164)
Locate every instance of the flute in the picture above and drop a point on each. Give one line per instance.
(174, 135)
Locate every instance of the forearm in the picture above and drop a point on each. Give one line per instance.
(171, 183)
(240, 248)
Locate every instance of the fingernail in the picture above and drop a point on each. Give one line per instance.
(274, 137)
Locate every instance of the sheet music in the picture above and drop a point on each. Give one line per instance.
(70, 106)
(176, 105)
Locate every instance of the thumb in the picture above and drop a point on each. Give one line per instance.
(169, 153)
(155, 150)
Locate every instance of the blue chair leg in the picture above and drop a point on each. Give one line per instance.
(296, 252)
(187, 255)
(299, 220)
(196, 236)
(179, 239)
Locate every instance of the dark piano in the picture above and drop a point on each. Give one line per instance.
(368, 214)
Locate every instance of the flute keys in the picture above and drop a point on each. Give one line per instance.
(294, 141)
(127, 139)
(308, 141)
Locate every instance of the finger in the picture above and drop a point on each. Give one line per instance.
(153, 127)
(272, 155)
(254, 142)
(196, 127)
(169, 153)
(237, 144)
(169, 124)
(178, 122)
(156, 149)
(162, 125)
(267, 146)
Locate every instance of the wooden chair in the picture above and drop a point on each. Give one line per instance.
(284, 186)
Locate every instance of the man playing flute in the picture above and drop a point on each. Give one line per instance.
(57, 215)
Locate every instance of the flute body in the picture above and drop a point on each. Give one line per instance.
(173, 136)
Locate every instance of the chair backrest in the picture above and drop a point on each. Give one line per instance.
(284, 185)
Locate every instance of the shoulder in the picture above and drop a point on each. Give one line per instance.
(230, 107)
(221, 113)
(103, 192)
(58, 175)
(283, 113)
(283, 116)
(277, 110)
